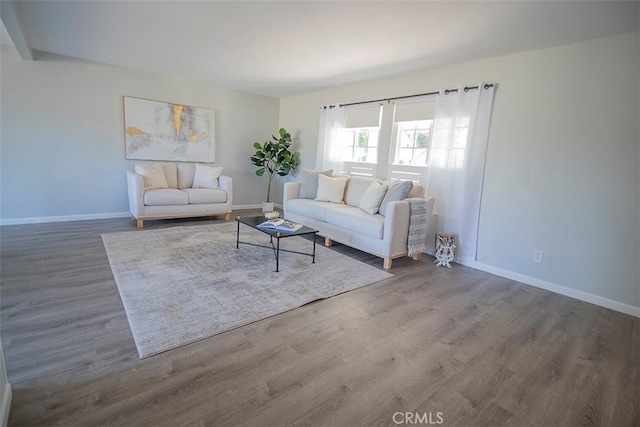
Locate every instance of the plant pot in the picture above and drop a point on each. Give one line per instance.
(267, 207)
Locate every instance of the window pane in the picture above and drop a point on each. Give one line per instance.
(422, 139)
(346, 137)
(406, 138)
(373, 138)
(420, 157)
(359, 145)
(412, 142)
(404, 156)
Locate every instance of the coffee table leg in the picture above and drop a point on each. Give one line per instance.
(313, 258)
(278, 256)
(238, 236)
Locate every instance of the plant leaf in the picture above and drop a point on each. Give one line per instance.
(274, 157)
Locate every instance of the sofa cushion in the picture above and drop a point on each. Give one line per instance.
(165, 197)
(356, 188)
(199, 196)
(186, 171)
(331, 189)
(152, 175)
(206, 176)
(358, 221)
(309, 182)
(370, 202)
(171, 174)
(311, 208)
(398, 190)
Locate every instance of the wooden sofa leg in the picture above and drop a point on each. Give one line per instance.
(227, 216)
(140, 223)
(416, 257)
(327, 242)
(387, 263)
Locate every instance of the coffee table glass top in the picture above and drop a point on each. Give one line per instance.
(254, 221)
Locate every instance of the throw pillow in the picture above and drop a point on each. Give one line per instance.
(206, 176)
(398, 190)
(370, 202)
(356, 188)
(309, 182)
(331, 189)
(153, 176)
(186, 171)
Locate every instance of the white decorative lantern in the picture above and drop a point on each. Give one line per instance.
(445, 249)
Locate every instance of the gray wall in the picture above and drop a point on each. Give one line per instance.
(62, 134)
(562, 172)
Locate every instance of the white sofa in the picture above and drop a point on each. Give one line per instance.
(347, 223)
(188, 190)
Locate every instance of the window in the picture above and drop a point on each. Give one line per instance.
(388, 140)
(412, 142)
(411, 139)
(358, 140)
(359, 145)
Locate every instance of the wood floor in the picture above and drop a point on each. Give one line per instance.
(458, 347)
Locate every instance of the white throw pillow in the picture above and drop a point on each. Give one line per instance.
(206, 176)
(370, 202)
(331, 189)
(153, 176)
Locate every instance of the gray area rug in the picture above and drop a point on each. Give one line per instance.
(182, 284)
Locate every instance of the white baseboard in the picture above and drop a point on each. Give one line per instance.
(86, 217)
(6, 404)
(63, 218)
(241, 207)
(559, 289)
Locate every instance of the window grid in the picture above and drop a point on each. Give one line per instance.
(359, 145)
(412, 142)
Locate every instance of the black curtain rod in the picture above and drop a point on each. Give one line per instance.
(446, 92)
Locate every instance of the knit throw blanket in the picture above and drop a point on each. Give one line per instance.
(417, 226)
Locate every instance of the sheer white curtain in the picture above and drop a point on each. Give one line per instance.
(456, 163)
(328, 154)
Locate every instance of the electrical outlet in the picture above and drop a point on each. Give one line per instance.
(538, 255)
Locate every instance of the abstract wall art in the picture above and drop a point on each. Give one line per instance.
(157, 130)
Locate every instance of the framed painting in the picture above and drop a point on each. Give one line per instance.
(157, 130)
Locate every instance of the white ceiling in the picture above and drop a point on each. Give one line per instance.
(291, 47)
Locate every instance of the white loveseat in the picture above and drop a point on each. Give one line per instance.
(178, 190)
(347, 221)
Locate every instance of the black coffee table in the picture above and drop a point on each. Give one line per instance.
(253, 221)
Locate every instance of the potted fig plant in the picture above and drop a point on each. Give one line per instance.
(274, 158)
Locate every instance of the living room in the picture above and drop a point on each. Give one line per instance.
(561, 175)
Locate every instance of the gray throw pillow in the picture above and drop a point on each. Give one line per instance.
(398, 190)
(309, 180)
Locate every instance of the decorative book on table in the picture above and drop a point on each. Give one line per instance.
(280, 224)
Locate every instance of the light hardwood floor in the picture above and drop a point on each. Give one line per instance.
(459, 346)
